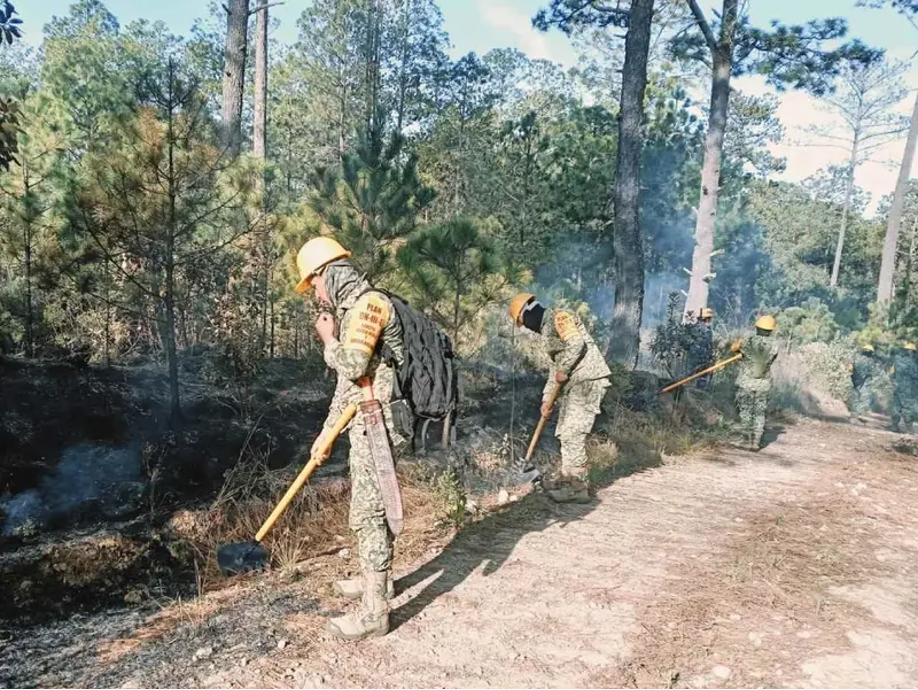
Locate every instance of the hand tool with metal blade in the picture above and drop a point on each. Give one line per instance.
(698, 374)
(372, 415)
(251, 555)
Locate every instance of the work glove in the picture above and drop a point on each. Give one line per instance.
(737, 345)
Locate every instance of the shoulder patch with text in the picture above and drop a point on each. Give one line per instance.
(566, 326)
(371, 314)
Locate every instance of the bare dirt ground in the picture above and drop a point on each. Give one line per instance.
(793, 567)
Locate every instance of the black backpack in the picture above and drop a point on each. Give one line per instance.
(427, 377)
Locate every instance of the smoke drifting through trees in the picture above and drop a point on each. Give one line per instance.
(375, 133)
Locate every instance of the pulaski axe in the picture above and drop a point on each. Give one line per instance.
(699, 374)
(251, 555)
(543, 420)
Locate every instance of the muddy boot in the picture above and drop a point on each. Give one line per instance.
(372, 618)
(569, 491)
(353, 588)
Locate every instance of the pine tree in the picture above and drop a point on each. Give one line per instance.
(371, 201)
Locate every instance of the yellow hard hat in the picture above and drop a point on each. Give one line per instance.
(868, 348)
(517, 304)
(766, 323)
(707, 313)
(910, 346)
(316, 253)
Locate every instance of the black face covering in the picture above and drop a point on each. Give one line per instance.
(532, 318)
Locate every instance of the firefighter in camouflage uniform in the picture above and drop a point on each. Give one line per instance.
(364, 322)
(754, 382)
(579, 367)
(864, 370)
(905, 388)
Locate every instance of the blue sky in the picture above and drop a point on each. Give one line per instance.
(480, 25)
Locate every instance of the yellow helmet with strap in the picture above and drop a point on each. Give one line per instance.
(766, 323)
(316, 253)
(517, 304)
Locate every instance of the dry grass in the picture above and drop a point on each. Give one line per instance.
(315, 524)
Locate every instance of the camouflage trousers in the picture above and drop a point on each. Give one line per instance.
(580, 403)
(904, 410)
(367, 517)
(752, 404)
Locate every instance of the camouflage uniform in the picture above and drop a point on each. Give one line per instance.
(573, 351)
(863, 370)
(365, 322)
(905, 390)
(753, 386)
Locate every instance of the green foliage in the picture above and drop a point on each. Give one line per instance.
(673, 341)
(809, 323)
(450, 498)
(827, 365)
(373, 198)
(9, 109)
(456, 271)
(785, 55)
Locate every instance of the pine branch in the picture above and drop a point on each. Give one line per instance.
(703, 25)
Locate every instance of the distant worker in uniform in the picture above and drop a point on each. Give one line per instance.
(754, 382)
(701, 351)
(366, 321)
(579, 367)
(905, 388)
(864, 369)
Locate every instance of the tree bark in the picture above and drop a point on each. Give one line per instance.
(169, 288)
(259, 133)
(627, 244)
(849, 189)
(27, 242)
(237, 22)
(722, 59)
(888, 264)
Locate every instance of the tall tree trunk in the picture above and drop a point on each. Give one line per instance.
(849, 189)
(722, 59)
(403, 67)
(627, 243)
(259, 131)
(888, 265)
(108, 314)
(169, 296)
(27, 258)
(237, 22)
(259, 148)
(371, 58)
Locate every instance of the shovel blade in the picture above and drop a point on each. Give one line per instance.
(241, 557)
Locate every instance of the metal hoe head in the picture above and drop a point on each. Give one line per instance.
(241, 557)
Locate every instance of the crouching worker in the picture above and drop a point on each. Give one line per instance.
(579, 368)
(364, 323)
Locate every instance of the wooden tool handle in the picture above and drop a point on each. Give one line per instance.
(553, 396)
(318, 457)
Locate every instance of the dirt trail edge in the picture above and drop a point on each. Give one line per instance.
(792, 567)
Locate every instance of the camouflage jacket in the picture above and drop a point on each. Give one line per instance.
(571, 348)
(759, 352)
(365, 320)
(905, 371)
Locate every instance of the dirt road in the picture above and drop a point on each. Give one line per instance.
(792, 567)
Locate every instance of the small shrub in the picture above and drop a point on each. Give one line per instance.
(449, 498)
